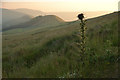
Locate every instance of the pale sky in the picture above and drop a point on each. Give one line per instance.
(63, 5)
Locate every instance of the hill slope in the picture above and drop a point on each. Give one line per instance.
(53, 53)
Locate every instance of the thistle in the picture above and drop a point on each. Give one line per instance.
(82, 33)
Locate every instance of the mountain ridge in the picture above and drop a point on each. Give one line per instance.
(9, 20)
(31, 12)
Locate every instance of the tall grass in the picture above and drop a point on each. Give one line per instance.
(56, 55)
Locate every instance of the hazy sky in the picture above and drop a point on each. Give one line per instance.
(63, 5)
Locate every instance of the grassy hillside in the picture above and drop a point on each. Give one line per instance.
(52, 52)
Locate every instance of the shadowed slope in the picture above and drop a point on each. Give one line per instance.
(10, 17)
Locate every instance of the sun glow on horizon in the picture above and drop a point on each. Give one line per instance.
(71, 7)
(64, 6)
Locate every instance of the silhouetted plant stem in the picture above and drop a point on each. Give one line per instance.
(82, 38)
(82, 41)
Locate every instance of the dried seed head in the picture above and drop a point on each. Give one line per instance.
(81, 16)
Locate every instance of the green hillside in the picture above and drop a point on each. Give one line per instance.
(52, 52)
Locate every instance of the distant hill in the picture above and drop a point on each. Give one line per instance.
(39, 21)
(30, 12)
(10, 17)
(51, 21)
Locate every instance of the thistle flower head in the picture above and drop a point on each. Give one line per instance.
(81, 16)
